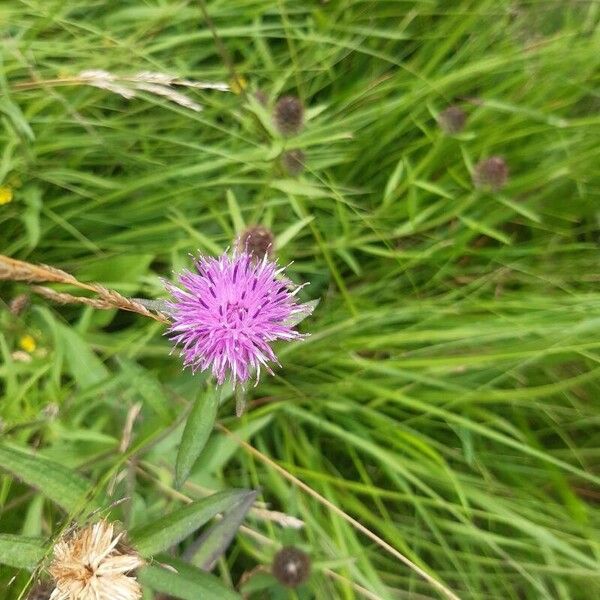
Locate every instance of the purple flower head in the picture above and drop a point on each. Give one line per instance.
(226, 315)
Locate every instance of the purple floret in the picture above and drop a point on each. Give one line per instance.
(227, 313)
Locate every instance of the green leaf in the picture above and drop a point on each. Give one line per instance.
(205, 241)
(291, 232)
(119, 272)
(307, 309)
(485, 229)
(16, 118)
(393, 181)
(188, 583)
(300, 188)
(520, 208)
(147, 386)
(213, 543)
(434, 189)
(65, 487)
(174, 527)
(83, 365)
(21, 552)
(221, 448)
(235, 212)
(31, 215)
(197, 430)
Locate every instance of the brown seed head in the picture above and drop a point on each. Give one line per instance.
(18, 304)
(93, 564)
(293, 161)
(491, 173)
(258, 241)
(262, 97)
(291, 566)
(452, 119)
(41, 591)
(289, 115)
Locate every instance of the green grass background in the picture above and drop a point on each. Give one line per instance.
(448, 395)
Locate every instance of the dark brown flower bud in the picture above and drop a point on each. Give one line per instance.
(491, 173)
(41, 591)
(452, 119)
(18, 304)
(258, 241)
(292, 161)
(289, 115)
(261, 97)
(291, 566)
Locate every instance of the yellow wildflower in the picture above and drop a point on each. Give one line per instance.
(27, 343)
(237, 84)
(6, 194)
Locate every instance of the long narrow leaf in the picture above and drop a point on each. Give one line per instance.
(20, 552)
(174, 527)
(58, 483)
(213, 542)
(187, 583)
(195, 435)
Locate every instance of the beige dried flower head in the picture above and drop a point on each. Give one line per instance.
(94, 564)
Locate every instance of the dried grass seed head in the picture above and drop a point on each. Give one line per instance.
(18, 304)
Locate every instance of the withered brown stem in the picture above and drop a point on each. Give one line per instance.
(18, 270)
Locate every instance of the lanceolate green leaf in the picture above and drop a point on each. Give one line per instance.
(174, 527)
(58, 483)
(196, 433)
(20, 552)
(213, 543)
(188, 583)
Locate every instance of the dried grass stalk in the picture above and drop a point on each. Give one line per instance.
(128, 86)
(274, 516)
(18, 270)
(64, 298)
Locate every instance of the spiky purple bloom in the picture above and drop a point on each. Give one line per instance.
(226, 315)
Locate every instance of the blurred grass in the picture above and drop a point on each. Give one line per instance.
(448, 395)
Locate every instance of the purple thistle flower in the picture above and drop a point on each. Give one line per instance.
(227, 313)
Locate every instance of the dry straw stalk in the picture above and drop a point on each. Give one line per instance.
(18, 270)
